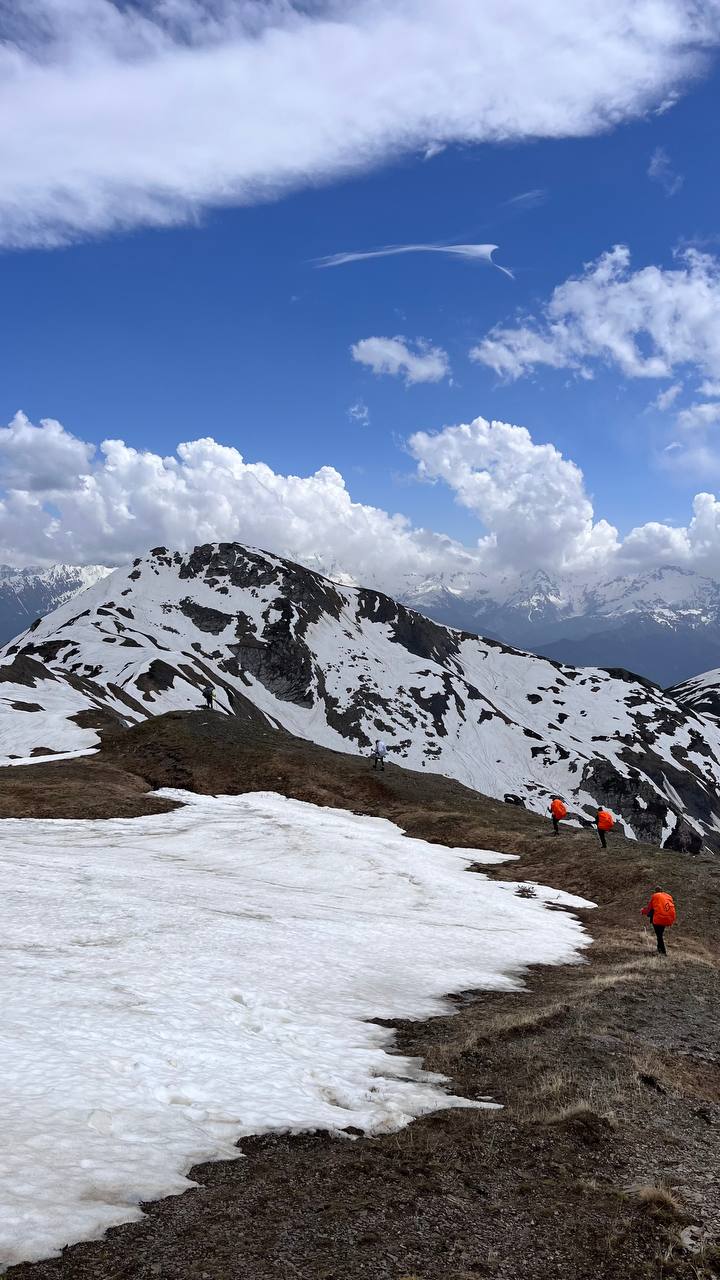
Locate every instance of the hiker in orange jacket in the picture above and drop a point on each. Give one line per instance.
(604, 822)
(557, 813)
(661, 913)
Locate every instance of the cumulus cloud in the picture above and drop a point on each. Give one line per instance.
(661, 170)
(127, 500)
(63, 501)
(396, 357)
(117, 115)
(647, 323)
(44, 459)
(531, 503)
(472, 252)
(696, 546)
(531, 500)
(534, 504)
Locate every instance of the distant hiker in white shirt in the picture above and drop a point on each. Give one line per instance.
(379, 754)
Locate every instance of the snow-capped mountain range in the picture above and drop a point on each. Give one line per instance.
(664, 623)
(27, 594)
(341, 666)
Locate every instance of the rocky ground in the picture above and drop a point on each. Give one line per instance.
(602, 1161)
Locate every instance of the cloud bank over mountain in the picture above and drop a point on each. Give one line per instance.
(66, 501)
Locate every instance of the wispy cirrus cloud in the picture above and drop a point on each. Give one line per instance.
(526, 200)
(661, 170)
(122, 115)
(664, 400)
(359, 412)
(471, 252)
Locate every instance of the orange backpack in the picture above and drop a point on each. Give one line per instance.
(558, 810)
(605, 820)
(663, 909)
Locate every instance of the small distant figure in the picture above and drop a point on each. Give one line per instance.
(661, 913)
(558, 811)
(379, 754)
(604, 822)
(209, 696)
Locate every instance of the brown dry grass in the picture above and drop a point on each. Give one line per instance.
(581, 1112)
(678, 1074)
(659, 1199)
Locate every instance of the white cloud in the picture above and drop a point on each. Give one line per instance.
(538, 514)
(660, 170)
(472, 252)
(699, 415)
(709, 388)
(359, 412)
(122, 115)
(42, 459)
(697, 546)
(647, 323)
(530, 499)
(531, 503)
(527, 199)
(395, 357)
(666, 399)
(129, 500)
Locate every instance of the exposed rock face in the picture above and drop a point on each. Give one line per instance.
(342, 667)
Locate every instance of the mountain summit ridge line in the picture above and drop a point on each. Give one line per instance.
(340, 666)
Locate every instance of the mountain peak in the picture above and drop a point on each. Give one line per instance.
(341, 666)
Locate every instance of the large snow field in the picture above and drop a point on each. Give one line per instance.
(174, 982)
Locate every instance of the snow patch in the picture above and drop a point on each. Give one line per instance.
(177, 981)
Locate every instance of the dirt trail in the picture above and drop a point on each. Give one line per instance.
(608, 1143)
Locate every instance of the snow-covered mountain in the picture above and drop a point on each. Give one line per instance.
(26, 594)
(664, 623)
(701, 694)
(342, 665)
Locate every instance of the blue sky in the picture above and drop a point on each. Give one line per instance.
(226, 327)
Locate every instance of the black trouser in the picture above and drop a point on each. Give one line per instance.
(603, 837)
(556, 824)
(378, 760)
(659, 931)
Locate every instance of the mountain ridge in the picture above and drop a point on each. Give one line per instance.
(339, 666)
(663, 623)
